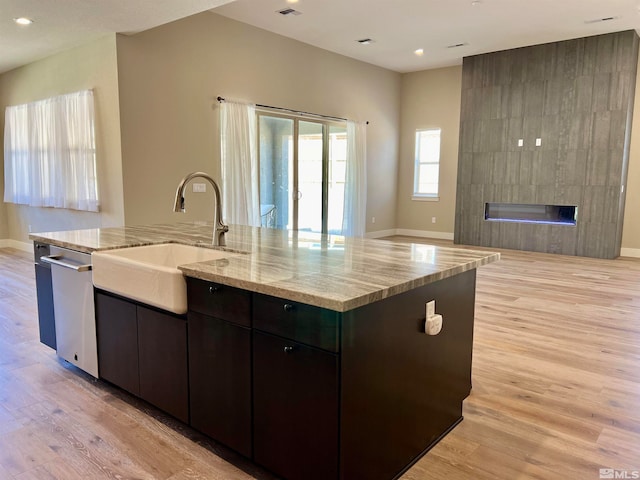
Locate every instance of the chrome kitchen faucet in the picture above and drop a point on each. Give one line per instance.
(219, 228)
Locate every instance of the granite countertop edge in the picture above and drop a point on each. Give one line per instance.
(293, 273)
(325, 301)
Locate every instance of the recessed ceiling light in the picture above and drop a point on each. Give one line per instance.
(23, 21)
(419, 52)
(475, 3)
(365, 41)
(292, 1)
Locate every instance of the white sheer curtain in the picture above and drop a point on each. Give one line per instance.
(241, 202)
(50, 153)
(355, 191)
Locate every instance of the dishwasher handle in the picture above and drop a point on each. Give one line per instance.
(55, 260)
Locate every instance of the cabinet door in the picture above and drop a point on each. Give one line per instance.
(117, 333)
(46, 317)
(295, 407)
(162, 343)
(220, 380)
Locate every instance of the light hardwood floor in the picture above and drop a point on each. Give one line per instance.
(556, 388)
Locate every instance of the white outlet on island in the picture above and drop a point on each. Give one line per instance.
(199, 187)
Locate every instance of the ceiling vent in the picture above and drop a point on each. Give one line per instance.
(289, 11)
(458, 45)
(599, 20)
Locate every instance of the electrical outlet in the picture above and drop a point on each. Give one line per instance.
(199, 187)
(520, 142)
(29, 228)
(431, 308)
(433, 219)
(373, 219)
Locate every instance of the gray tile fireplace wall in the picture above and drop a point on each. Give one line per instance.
(548, 124)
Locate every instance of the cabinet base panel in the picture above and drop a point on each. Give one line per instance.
(426, 450)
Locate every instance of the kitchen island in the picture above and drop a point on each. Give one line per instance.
(308, 353)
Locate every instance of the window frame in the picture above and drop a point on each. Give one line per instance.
(417, 194)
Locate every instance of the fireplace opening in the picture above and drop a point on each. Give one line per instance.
(526, 213)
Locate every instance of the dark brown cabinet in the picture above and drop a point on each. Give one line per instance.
(162, 354)
(46, 316)
(220, 362)
(44, 292)
(117, 332)
(401, 389)
(143, 351)
(303, 391)
(220, 380)
(295, 401)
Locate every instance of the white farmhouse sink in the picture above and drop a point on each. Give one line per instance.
(150, 274)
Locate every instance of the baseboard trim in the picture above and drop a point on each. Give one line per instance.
(424, 234)
(630, 252)
(381, 233)
(18, 245)
(411, 233)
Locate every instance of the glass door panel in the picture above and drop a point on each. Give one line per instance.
(336, 177)
(310, 163)
(276, 172)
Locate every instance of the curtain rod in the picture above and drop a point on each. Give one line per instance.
(221, 99)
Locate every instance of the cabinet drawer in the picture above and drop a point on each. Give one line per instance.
(219, 301)
(303, 323)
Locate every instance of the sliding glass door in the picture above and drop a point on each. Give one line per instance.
(302, 173)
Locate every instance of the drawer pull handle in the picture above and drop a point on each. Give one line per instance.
(214, 288)
(288, 349)
(288, 307)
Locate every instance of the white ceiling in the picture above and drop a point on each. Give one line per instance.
(398, 27)
(62, 24)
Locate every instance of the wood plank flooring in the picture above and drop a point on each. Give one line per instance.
(556, 388)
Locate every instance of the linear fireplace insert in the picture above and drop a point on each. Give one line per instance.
(528, 213)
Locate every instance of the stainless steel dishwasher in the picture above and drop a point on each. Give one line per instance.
(73, 307)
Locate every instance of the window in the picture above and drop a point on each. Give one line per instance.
(427, 165)
(50, 153)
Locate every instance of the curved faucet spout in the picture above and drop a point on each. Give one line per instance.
(219, 228)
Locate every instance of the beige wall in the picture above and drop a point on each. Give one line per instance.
(430, 99)
(92, 65)
(4, 226)
(170, 76)
(631, 224)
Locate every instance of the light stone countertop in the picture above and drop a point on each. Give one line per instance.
(329, 271)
